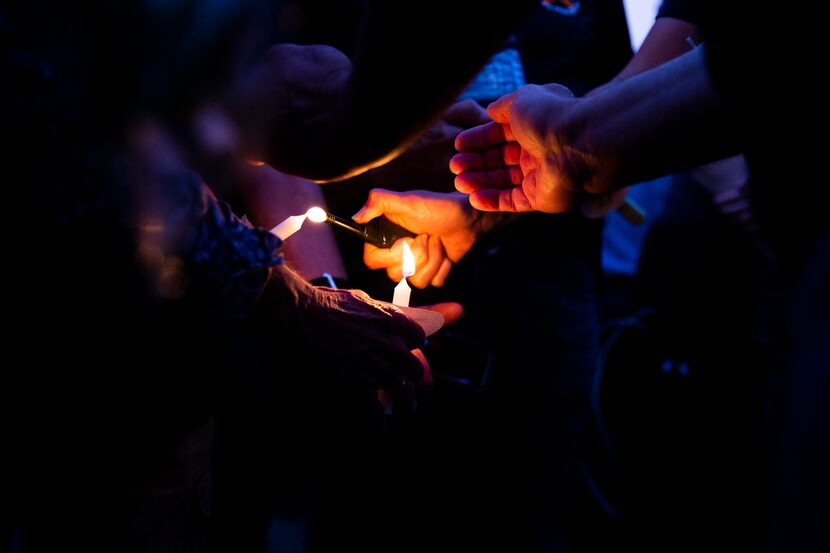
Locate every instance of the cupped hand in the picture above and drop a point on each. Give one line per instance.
(523, 160)
(446, 225)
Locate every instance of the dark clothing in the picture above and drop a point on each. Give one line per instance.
(749, 48)
(685, 10)
(529, 291)
(741, 43)
(684, 389)
(581, 51)
(127, 283)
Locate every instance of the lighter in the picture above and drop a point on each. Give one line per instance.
(380, 231)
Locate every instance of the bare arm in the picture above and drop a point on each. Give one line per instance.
(665, 41)
(554, 151)
(270, 197)
(664, 120)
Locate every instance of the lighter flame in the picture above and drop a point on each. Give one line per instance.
(408, 264)
(316, 215)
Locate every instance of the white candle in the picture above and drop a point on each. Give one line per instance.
(402, 290)
(295, 222)
(289, 226)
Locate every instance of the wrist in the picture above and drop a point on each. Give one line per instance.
(326, 279)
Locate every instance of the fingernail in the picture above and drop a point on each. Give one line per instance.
(359, 214)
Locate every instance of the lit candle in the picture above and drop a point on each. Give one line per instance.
(295, 222)
(402, 290)
(316, 214)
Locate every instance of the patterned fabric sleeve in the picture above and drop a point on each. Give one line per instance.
(226, 263)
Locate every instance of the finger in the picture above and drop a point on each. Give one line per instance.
(381, 258)
(390, 258)
(728, 195)
(511, 153)
(557, 90)
(386, 358)
(510, 200)
(500, 109)
(386, 402)
(426, 380)
(427, 271)
(394, 377)
(396, 365)
(377, 203)
(492, 158)
(441, 277)
(451, 311)
(403, 333)
(420, 251)
(501, 178)
(480, 138)
(466, 114)
(466, 161)
(462, 185)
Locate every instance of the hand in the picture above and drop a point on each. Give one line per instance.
(522, 161)
(424, 164)
(727, 182)
(447, 227)
(465, 114)
(288, 104)
(451, 312)
(366, 343)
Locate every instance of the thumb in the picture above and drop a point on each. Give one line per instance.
(465, 114)
(558, 90)
(451, 311)
(375, 206)
(500, 109)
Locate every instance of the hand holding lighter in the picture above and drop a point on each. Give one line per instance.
(380, 231)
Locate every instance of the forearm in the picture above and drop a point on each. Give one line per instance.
(270, 196)
(666, 40)
(665, 120)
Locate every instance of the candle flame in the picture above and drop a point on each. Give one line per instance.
(316, 214)
(408, 264)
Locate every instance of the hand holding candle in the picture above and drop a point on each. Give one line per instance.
(402, 290)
